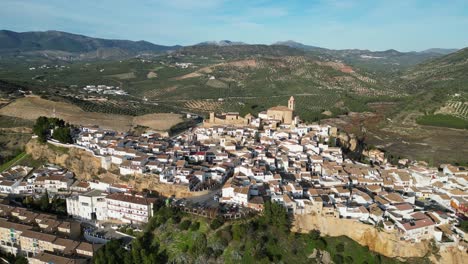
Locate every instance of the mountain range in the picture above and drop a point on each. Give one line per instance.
(63, 45)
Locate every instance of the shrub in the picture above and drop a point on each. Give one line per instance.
(314, 234)
(340, 247)
(338, 259)
(216, 223)
(184, 225)
(195, 226)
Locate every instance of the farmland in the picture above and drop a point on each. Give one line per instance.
(243, 85)
(443, 121)
(30, 108)
(456, 108)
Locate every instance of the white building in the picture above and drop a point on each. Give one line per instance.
(88, 206)
(129, 208)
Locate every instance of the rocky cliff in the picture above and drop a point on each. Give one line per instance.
(80, 161)
(86, 166)
(384, 243)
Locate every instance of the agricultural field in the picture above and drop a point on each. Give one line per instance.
(455, 108)
(30, 108)
(244, 84)
(443, 121)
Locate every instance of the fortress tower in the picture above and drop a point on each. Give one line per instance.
(291, 103)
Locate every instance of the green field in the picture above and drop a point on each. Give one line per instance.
(11, 162)
(443, 121)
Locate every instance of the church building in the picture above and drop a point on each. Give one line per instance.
(282, 113)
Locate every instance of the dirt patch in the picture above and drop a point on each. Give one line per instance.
(401, 136)
(216, 84)
(158, 121)
(209, 69)
(197, 73)
(243, 63)
(151, 75)
(33, 107)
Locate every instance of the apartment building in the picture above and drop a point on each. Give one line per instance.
(129, 208)
(88, 206)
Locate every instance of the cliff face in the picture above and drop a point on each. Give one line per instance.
(383, 243)
(81, 162)
(86, 166)
(347, 141)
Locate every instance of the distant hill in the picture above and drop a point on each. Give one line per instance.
(448, 72)
(439, 51)
(221, 43)
(239, 51)
(297, 45)
(388, 60)
(32, 43)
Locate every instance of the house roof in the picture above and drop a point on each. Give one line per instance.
(417, 224)
(280, 108)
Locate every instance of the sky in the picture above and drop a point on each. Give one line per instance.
(405, 25)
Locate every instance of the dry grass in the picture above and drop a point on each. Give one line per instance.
(158, 121)
(209, 69)
(32, 107)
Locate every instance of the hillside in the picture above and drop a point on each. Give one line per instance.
(207, 78)
(67, 44)
(440, 85)
(238, 51)
(447, 71)
(388, 61)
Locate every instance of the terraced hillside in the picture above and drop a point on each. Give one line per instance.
(246, 78)
(440, 87)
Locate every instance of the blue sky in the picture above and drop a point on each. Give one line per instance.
(377, 25)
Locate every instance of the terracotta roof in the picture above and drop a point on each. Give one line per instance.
(280, 108)
(38, 236)
(417, 224)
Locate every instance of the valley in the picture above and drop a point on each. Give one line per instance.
(365, 164)
(424, 90)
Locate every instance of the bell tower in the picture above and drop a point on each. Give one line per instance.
(291, 104)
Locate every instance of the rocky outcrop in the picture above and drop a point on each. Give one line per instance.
(151, 182)
(450, 255)
(347, 141)
(83, 163)
(383, 243)
(86, 166)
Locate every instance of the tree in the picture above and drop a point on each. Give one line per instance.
(195, 226)
(184, 225)
(62, 134)
(238, 231)
(276, 215)
(44, 203)
(40, 128)
(217, 223)
(314, 234)
(338, 259)
(61, 129)
(199, 245)
(321, 244)
(340, 247)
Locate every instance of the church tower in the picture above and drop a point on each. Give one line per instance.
(291, 103)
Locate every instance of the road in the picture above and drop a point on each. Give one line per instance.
(207, 199)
